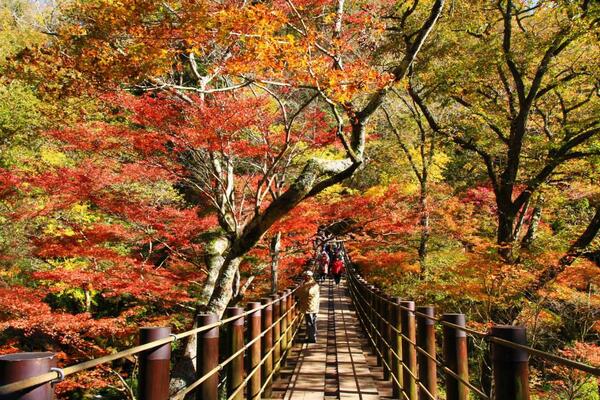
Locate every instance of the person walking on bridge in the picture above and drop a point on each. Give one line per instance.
(308, 303)
(323, 267)
(337, 269)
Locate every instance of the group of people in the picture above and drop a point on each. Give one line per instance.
(331, 263)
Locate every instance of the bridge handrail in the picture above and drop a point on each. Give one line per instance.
(181, 394)
(59, 374)
(360, 291)
(531, 350)
(399, 358)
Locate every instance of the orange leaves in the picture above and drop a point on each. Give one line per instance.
(8, 183)
(25, 312)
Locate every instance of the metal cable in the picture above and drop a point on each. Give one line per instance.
(182, 393)
(259, 365)
(73, 369)
(530, 350)
(405, 367)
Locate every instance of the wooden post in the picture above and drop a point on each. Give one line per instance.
(208, 358)
(283, 326)
(377, 325)
(267, 345)
(510, 365)
(409, 352)
(381, 326)
(455, 355)
(253, 357)
(235, 370)
(290, 316)
(276, 335)
(18, 366)
(397, 343)
(369, 302)
(426, 341)
(154, 365)
(387, 336)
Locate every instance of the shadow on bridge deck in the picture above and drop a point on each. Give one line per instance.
(340, 365)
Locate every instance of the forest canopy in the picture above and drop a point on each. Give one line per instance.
(163, 158)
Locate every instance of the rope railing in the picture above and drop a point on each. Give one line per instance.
(404, 339)
(271, 327)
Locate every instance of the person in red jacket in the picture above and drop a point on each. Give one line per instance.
(323, 267)
(337, 269)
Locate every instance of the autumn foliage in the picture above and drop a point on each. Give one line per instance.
(151, 151)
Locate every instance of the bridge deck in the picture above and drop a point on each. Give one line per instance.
(340, 365)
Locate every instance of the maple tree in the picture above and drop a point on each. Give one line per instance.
(294, 62)
(533, 104)
(168, 157)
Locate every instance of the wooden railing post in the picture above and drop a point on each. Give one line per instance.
(276, 335)
(283, 326)
(426, 341)
(397, 343)
(290, 316)
(253, 355)
(455, 356)
(510, 365)
(376, 328)
(359, 287)
(267, 345)
(366, 297)
(154, 365)
(235, 370)
(381, 327)
(18, 366)
(409, 353)
(387, 335)
(208, 357)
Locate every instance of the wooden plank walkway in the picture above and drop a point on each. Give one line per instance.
(340, 365)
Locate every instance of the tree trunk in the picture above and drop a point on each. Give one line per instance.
(184, 371)
(214, 258)
(88, 299)
(425, 231)
(531, 233)
(275, 247)
(223, 291)
(574, 251)
(506, 225)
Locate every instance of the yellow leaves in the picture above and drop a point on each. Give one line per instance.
(53, 157)
(335, 194)
(73, 264)
(79, 213)
(53, 228)
(329, 18)
(376, 191)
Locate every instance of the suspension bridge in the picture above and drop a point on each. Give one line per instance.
(369, 346)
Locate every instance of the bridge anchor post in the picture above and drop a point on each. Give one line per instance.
(253, 355)
(426, 341)
(387, 336)
(409, 352)
(154, 365)
(283, 326)
(510, 365)
(455, 355)
(18, 366)
(208, 358)
(276, 335)
(397, 343)
(267, 345)
(235, 370)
